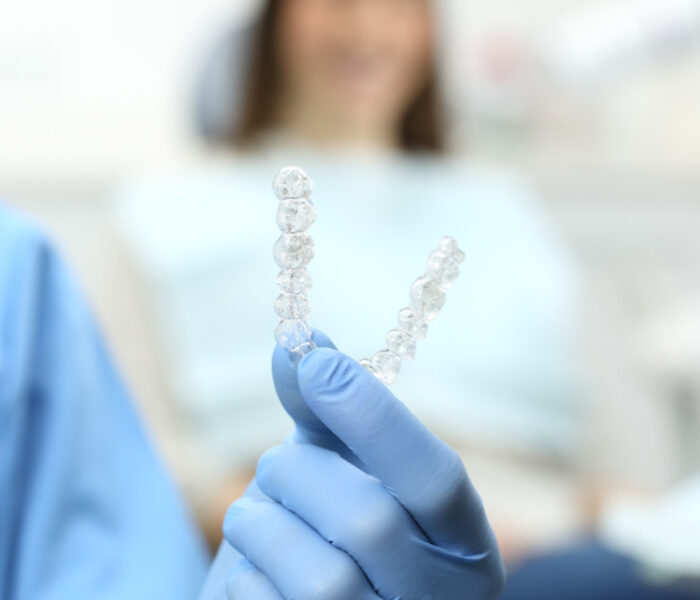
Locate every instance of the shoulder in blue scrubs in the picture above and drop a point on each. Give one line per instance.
(86, 508)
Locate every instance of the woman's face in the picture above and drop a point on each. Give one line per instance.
(359, 61)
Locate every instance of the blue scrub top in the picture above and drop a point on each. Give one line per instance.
(86, 508)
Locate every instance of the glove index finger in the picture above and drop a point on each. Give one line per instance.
(284, 377)
(420, 470)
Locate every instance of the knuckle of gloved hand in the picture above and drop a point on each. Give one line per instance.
(376, 525)
(242, 512)
(449, 486)
(340, 580)
(270, 462)
(277, 466)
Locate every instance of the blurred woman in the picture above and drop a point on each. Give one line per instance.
(340, 74)
(350, 90)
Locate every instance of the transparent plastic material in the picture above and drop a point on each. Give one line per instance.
(294, 250)
(428, 294)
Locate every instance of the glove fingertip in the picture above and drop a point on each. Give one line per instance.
(284, 367)
(321, 339)
(283, 360)
(328, 374)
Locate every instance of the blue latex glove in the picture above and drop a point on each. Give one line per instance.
(361, 502)
(86, 508)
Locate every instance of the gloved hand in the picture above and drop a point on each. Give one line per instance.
(361, 502)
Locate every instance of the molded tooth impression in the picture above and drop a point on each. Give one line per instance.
(428, 296)
(294, 250)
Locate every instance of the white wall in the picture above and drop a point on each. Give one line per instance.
(97, 88)
(91, 87)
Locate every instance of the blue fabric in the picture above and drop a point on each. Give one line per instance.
(362, 501)
(86, 509)
(589, 571)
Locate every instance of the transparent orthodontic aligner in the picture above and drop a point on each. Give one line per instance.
(292, 252)
(428, 295)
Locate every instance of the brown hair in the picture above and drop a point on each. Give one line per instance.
(421, 127)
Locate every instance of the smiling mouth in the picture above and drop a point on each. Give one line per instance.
(360, 67)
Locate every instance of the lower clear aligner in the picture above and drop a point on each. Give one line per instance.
(294, 250)
(428, 294)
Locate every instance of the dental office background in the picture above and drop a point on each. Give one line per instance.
(596, 105)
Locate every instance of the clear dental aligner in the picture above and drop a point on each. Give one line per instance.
(428, 294)
(292, 252)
